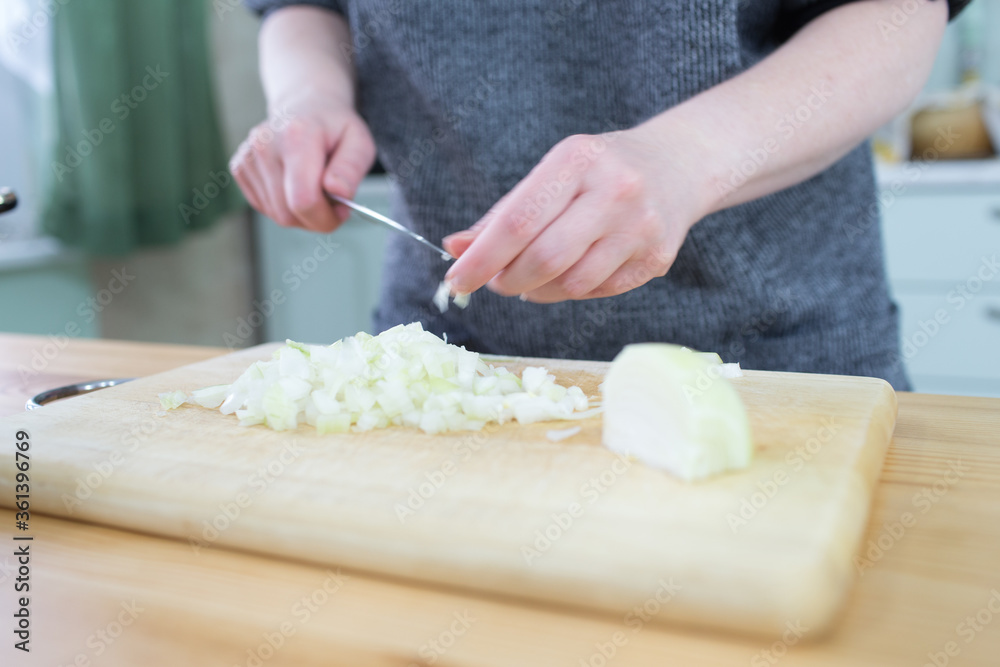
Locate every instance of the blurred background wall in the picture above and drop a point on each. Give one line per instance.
(215, 287)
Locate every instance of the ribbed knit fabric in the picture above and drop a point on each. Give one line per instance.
(465, 98)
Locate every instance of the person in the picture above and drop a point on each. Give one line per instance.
(693, 172)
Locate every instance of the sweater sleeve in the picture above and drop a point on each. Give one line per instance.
(265, 7)
(797, 13)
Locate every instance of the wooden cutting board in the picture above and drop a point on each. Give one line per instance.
(503, 511)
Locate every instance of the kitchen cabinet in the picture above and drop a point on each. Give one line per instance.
(318, 287)
(941, 225)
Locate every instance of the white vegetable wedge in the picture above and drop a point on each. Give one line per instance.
(674, 409)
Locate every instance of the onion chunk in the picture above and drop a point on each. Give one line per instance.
(403, 377)
(675, 409)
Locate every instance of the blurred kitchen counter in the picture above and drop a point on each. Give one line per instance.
(949, 175)
(928, 590)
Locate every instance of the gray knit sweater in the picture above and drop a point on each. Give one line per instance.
(465, 98)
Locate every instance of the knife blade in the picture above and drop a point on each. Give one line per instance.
(375, 216)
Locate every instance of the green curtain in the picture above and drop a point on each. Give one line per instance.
(138, 159)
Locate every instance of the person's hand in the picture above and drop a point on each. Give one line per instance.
(289, 162)
(599, 215)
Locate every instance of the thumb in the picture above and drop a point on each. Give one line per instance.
(350, 161)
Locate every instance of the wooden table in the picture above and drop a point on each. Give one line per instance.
(102, 596)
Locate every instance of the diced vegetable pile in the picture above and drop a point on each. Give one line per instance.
(404, 376)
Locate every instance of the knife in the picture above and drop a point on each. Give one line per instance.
(388, 222)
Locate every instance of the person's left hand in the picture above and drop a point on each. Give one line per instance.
(599, 215)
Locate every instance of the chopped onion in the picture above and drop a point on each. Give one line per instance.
(724, 370)
(441, 296)
(403, 377)
(673, 408)
(210, 397)
(558, 435)
(444, 292)
(171, 400)
(730, 371)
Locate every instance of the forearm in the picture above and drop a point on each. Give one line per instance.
(806, 105)
(304, 50)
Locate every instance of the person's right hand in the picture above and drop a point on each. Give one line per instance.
(288, 163)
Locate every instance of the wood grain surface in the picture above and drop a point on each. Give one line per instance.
(220, 607)
(503, 511)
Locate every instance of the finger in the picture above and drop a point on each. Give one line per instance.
(634, 273)
(248, 174)
(456, 244)
(304, 161)
(252, 190)
(245, 178)
(598, 264)
(557, 248)
(350, 161)
(533, 204)
(260, 167)
(272, 186)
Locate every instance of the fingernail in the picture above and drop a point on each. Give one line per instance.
(456, 236)
(454, 286)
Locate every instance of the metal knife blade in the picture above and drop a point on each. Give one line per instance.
(374, 216)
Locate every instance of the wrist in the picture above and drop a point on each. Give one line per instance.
(304, 98)
(684, 160)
